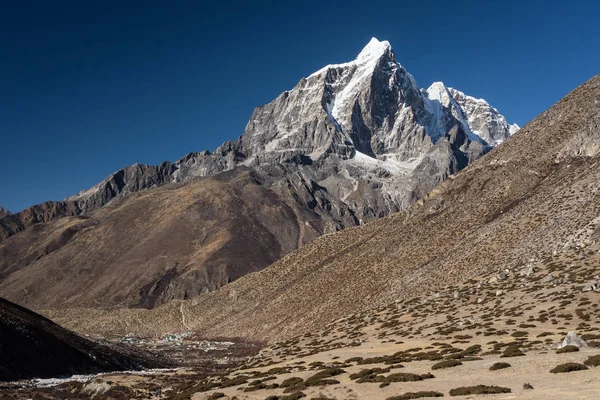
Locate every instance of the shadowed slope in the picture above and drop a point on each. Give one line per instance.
(33, 346)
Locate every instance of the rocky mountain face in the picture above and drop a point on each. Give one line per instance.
(348, 144)
(534, 200)
(32, 346)
(362, 127)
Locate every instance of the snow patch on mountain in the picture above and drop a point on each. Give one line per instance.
(389, 164)
(479, 119)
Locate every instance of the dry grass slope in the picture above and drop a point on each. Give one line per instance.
(534, 195)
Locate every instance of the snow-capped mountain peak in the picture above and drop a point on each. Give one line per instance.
(374, 50)
(351, 128)
(366, 60)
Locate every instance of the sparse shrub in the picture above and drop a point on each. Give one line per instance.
(499, 365)
(568, 367)
(216, 395)
(415, 395)
(238, 380)
(590, 336)
(293, 396)
(319, 379)
(446, 364)
(512, 351)
(479, 389)
(366, 372)
(593, 361)
(407, 377)
(354, 359)
(567, 349)
(373, 360)
(293, 381)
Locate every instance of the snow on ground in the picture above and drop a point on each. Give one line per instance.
(389, 164)
(49, 382)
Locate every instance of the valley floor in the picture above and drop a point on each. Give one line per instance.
(442, 344)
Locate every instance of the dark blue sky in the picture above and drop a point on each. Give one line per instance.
(88, 89)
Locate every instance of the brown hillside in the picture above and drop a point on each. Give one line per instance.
(532, 196)
(176, 241)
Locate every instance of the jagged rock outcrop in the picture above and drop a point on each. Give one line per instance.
(4, 212)
(45, 212)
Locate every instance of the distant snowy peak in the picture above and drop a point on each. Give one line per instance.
(513, 128)
(477, 116)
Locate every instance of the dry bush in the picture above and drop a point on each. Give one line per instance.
(416, 395)
(446, 364)
(568, 367)
(499, 365)
(593, 361)
(567, 349)
(479, 389)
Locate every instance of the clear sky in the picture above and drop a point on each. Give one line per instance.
(89, 87)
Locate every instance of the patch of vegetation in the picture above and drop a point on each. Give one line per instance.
(593, 361)
(293, 396)
(479, 389)
(229, 382)
(567, 349)
(568, 367)
(512, 351)
(407, 377)
(446, 364)
(415, 395)
(499, 365)
(354, 359)
(295, 386)
(216, 395)
(519, 334)
(320, 378)
(366, 372)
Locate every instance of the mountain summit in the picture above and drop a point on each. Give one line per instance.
(366, 120)
(348, 144)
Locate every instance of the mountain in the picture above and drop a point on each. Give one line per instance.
(33, 346)
(534, 196)
(174, 242)
(348, 144)
(368, 115)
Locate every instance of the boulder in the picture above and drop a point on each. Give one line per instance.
(573, 339)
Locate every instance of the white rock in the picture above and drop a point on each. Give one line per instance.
(573, 339)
